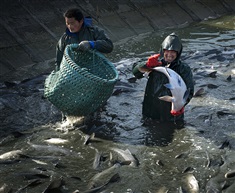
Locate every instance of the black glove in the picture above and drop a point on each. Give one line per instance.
(84, 46)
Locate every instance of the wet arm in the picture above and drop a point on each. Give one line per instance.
(135, 68)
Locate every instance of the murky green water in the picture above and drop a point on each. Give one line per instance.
(170, 157)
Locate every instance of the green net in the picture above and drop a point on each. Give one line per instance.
(83, 83)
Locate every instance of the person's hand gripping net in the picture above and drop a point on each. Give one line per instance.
(153, 61)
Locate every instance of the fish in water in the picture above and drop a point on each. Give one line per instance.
(230, 174)
(50, 148)
(114, 178)
(127, 155)
(191, 184)
(10, 154)
(101, 177)
(56, 141)
(98, 158)
(177, 87)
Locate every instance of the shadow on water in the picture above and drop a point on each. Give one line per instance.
(160, 134)
(154, 133)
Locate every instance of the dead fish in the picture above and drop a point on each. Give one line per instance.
(206, 74)
(6, 162)
(225, 144)
(191, 183)
(10, 154)
(212, 86)
(127, 155)
(213, 51)
(222, 113)
(100, 177)
(50, 148)
(208, 163)
(31, 176)
(55, 186)
(96, 162)
(89, 138)
(56, 141)
(230, 174)
(33, 183)
(188, 170)
(199, 92)
(159, 162)
(182, 155)
(114, 178)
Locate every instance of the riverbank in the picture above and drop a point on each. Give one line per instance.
(30, 30)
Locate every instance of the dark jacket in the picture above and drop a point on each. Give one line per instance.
(153, 107)
(88, 32)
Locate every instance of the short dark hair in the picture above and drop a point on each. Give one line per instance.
(74, 12)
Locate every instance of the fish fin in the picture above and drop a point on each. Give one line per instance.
(167, 98)
(169, 86)
(128, 151)
(186, 94)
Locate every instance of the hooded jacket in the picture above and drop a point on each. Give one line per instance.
(88, 32)
(153, 107)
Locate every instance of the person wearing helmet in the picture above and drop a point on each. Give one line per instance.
(169, 56)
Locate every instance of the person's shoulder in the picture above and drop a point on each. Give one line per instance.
(184, 65)
(88, 22)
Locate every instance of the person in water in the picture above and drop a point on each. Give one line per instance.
(80, 30)
(169, 56)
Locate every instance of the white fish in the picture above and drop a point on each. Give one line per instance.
(10, 154)
(177, 87)
(56, 141)
(127, 155)
(191, 184)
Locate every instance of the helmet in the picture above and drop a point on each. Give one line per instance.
(172, 42)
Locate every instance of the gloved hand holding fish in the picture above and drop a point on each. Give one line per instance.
(153, 61)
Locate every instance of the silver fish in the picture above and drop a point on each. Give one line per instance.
(230, 174)
(191, 183)
(177, 87)
(50, 148)
(114, 178)
(101, 177)
(56, 141)
(10, 154)
(127, 155)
